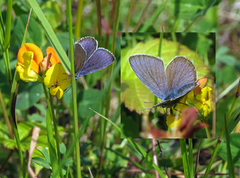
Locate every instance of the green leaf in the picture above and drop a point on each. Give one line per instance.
(62, 148)
(24, 129)
(33, 29)
(190, 9)
(63, 38)
(227, 59)
(234, 146)
(41, 108)
(229, 154)
(4, 132)
(127, 129)
(44, 153)
(90, 98)
(37, 118)
(41, 162)
(226, 79)
(67, 162)
(52, 12)
(10, 143)
(29, 96)
(234, 119)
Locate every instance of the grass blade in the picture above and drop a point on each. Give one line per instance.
(184, 157)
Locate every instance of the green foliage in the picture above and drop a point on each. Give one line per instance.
(103, 145)
(29, 96)
(234, 146)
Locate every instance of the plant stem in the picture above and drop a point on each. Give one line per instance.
(185, 157)
(190, 148)
(51, 144)
(207, 130)
(79, 20)
(74, 92)
(6, 116)
(58, 141)
(129, 15)
(98, 3)
(13, 98)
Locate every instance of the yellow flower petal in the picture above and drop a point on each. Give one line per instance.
(57, 80)
(206, 92)
(199, 105)
(56, 91)
(173, 121)
(37, 57)
(25, 72)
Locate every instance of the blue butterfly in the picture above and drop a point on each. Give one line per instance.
(171, 84)
(88, 58)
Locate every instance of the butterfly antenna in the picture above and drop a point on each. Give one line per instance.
(62, 81)
(149, 102)
(146, 108)
(68, 88)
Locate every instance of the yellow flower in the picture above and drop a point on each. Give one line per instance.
(25, 69)
(36, 59)
(173, 121)
(57, 80)
(204, 105)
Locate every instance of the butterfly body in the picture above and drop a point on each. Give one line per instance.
(171, 84)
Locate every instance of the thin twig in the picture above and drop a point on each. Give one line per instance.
(141, 18)
(155, 156)
(6, 160)
(161, 151)
(197, 159)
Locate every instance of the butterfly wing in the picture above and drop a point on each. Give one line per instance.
(80, 57)
(100, 59)
(150, 70)
(181, 76)
(89, 44)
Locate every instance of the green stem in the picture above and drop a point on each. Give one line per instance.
(74, 92)
(5, 115)
(8, 25)
(207, 130)
(51, 143)
(13, 97)
(142, 16)
(185, 157)
(190, 147)
(58, 141)
(152, 19)
(98, 3)
(129, 15)
(79, 19)
(6, 42)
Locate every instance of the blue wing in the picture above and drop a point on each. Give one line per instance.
(82, 51)
(100, 59)
(80, 57)
(89, 44)
(150, 70)
(181, 74)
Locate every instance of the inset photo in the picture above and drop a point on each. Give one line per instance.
(167, 85)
